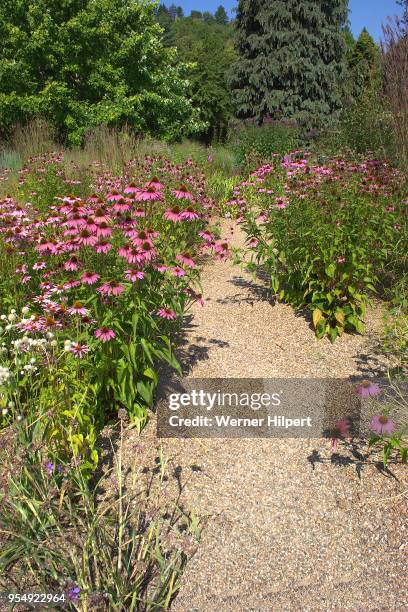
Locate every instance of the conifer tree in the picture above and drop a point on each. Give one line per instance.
(291, 59)
(221, 16)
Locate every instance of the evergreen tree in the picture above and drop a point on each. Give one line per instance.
(208, 17)
(364, 65)
(196, 15)
(221, 16)
(173, 12)
(291, 59)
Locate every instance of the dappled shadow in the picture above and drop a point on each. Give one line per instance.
(256, 292)
(355, 458)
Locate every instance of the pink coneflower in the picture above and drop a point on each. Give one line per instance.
(76, 220)
(114, 196)
(121, 206)
(206, 236)
(155, 183)
(85, 238)
(72, 264)
(93, 199)
(189, 213)
(177, 271)
(72, 284)
(103, 230)
(39, 265)
(78, 308)
(281, 203)
(133, 275)
(79, 350)
(382, 424)
(90, 225)
(367, 389)
(104, 334)
(111, 288)
(161, 268)
(90, 278)
(140, 237)
(253, 243)
(166, 313)
(131, 188)
(102, 246)
(147, 250)
(182, 192)
(101, 216)
(133, 255)
(46, 246)
(149, 194)
(341, 430)
(139, 212)
(185, 258)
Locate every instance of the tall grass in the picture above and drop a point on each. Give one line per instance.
(395, 70)
(33, 139)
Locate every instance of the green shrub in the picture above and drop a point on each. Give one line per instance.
(261, 142)
(327, 237)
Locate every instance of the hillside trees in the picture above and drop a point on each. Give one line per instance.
(81, 63)
(208, 48)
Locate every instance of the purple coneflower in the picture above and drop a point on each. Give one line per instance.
(133, 275)
(79, 350)
(166, 313)
(189, 214)
(173, 214)
(111, 288)
(102, 246)
(149, 194)
(186, 260)
(104, 334)
(382, 424)
(78, 308)
(182, 192)
(90, 278)
(367, 389)
(177, 271)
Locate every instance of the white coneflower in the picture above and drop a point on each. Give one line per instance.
(25, 310)
(67, 345)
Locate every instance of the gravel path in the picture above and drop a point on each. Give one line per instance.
(284, 527)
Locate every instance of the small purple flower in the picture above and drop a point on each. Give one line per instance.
(367, 389)
(382, 424)
(210, 159)
(73, 593)
(50, 467)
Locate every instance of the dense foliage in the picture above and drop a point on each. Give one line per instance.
(83, 63)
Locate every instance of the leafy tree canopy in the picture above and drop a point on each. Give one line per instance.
(81, 63)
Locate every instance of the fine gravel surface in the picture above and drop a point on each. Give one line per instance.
(287, 525)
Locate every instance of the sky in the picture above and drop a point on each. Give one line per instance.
(368, 13)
